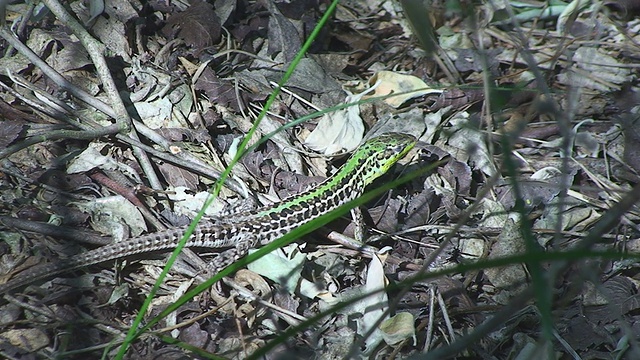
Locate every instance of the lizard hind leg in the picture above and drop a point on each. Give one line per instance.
(229, 256)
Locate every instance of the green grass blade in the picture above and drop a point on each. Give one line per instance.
(133, 333)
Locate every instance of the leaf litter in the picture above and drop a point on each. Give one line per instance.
(551, 85)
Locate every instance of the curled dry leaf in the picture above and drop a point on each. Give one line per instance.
(398, 328)
(338, 131)
(406, 87)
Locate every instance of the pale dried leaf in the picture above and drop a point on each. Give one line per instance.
(574, 218)
(108, 214)
(591, 296)
(410, 122)
(224, 8)
(473, 248)
(96, 8)
(280, 268)
(493, 214)
(406, 86)
(32, 339)
(311, 290)
(187, 203)
(157, 114)
(89, 159)
(509, 242)
(595, 69)
(376, 304)
(432, 122)
(471, 143)
(339, 131)
(398, 328)
(40, 40)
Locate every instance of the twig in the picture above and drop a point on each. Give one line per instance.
(57, 135)
(184, 159)
(57, 231)
(96, 52)
(54, 75)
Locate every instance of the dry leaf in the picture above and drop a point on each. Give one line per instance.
(406, 86)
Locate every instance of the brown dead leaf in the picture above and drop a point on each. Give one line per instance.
(457, 98)
(288, 183)
(459, 174)
(10, 131)
(355, 40)
(385, 217)
(471, 60)
(543, 186)
(198, 26)
(581, 333)
(196, 336)
(176, 176)
(283, 35)
(631, 140)
(418, 210)
(182, 134)
(624, 9)
(218, 91)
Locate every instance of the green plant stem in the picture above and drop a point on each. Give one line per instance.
(133, 332)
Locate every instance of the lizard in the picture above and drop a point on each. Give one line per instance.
(238, 233)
